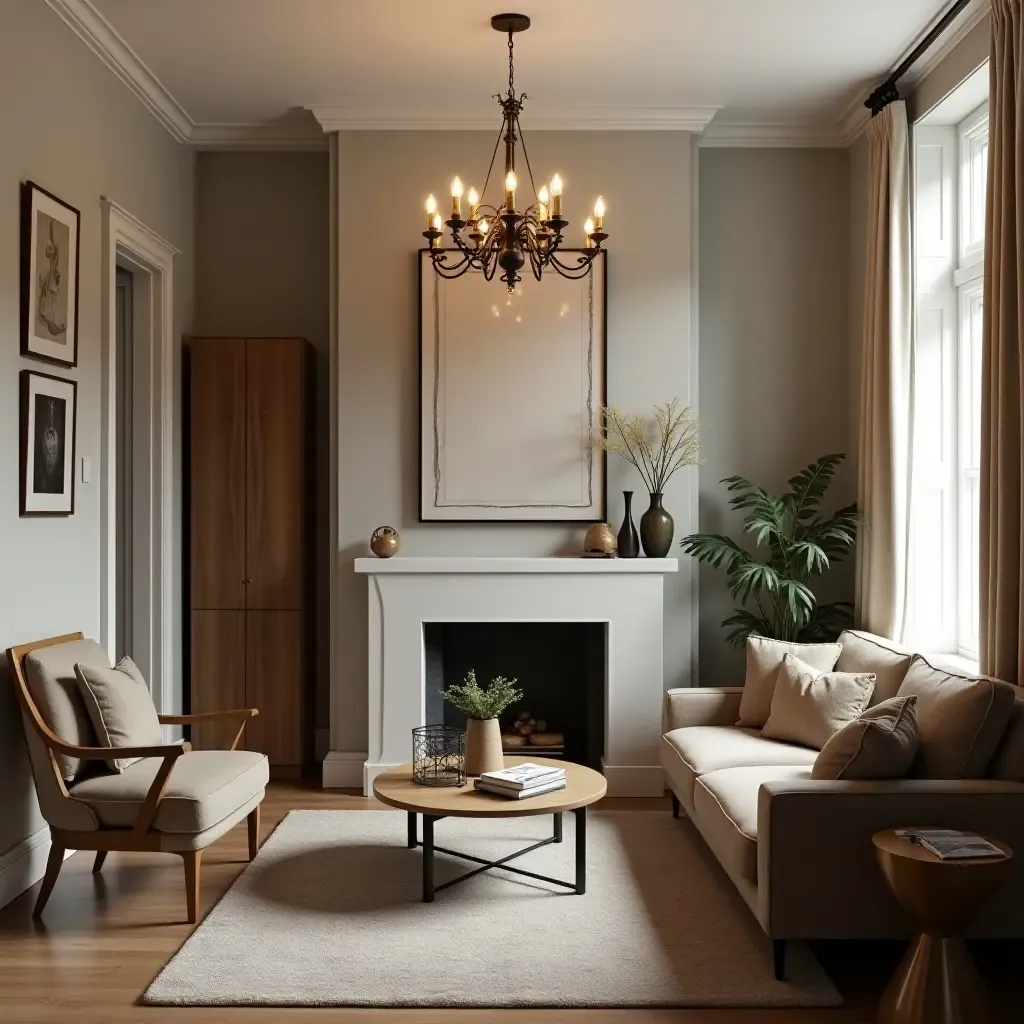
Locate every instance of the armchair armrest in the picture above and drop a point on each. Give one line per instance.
(701, 705)
(206, 717)
(817, 875)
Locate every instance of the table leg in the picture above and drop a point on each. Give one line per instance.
(428, 858)
(412, 828)
(558, 826)
(581, 850)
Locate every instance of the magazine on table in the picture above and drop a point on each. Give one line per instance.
(518, 794)
(523, 776)
(950, 843)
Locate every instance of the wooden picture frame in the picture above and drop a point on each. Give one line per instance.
(50, 245)
(49, 408)
(511, 390)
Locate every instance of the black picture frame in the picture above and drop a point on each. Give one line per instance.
(425, 267)
(61, 282)
(32, 501)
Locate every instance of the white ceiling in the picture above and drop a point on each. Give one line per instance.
(768, 63)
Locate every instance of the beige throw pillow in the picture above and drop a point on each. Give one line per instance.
(881, 744)
(810, 707)
(865, 652)
(120, 708)
(764, 656)
(960, 720)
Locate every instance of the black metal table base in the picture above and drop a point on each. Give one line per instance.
(579, 885)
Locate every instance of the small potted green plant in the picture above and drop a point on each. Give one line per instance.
(481, 707)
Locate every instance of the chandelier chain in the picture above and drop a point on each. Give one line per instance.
(511, 67)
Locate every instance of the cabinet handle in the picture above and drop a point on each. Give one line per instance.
(248, 579)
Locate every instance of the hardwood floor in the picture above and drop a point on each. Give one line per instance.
(105, 937)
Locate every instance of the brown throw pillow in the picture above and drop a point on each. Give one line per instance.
(810, 707)
(120, 707)
(960, 720)
(764, 656)
(881, 744)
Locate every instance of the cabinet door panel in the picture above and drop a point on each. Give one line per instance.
(274, 684)
(218, 674)
(274, 496)
(217, 465)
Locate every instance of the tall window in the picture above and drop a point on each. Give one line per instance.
(950, 173)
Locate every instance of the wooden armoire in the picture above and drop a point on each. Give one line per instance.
(250, 507)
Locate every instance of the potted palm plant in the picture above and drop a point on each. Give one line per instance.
(482, 706)
(775, 595)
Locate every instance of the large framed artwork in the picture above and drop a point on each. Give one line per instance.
(47, 444)
(511, 389)
(49, 276)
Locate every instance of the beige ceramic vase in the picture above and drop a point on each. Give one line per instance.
(483, 746)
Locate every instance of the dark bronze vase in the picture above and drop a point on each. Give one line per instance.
(629, 543)
(656, 529)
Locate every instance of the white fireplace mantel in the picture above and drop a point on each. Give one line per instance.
(625, 594)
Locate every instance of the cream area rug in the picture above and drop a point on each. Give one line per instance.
(329, 914)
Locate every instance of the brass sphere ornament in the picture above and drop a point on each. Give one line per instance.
(385, 541)
(599, 542)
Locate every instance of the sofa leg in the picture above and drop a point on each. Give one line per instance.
(97, 864)
(253, 822)
(675, 806)
(779, 951)
(53, 866)
(193, 872)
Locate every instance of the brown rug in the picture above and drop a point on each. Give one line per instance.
(329, 914)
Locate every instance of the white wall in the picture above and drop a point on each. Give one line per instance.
(383, 178)
(69, 125)
(774, 344)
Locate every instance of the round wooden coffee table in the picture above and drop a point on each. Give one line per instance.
(583, 787)
(937, 983)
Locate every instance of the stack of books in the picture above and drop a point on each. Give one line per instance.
(522, 780)
(950, 843)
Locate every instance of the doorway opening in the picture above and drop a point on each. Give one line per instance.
(124, 289)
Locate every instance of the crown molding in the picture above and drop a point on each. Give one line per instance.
(855, 116)
(99, 35)
(767, 135)
(683, 119)
(256, 137)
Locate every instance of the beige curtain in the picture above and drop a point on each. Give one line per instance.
(1002, 616)
(886, 385)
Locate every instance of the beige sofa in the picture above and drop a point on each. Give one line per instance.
(800, 851)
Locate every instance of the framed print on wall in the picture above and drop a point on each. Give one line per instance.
(48, 409)
(49, 276)
(511, 389)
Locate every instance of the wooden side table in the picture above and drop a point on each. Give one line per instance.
(937, 983)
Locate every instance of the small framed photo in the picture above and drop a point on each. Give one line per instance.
(49, 276)
(48, 408)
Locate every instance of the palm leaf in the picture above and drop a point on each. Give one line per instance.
(715, 549)
(808, 487)
(742, 623)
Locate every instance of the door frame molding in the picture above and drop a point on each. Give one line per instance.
(126, 241)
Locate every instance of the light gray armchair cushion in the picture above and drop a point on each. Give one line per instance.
(50, 674)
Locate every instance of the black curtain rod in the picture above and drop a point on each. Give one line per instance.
(887, 92)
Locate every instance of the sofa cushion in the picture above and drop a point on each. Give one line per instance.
(881, 744)
(1008, 763)
(810, 707)
(688, 753)
(764, 656)
(960, 720)
(725, 807)
(50, 675)
(204, 787)
(120, 708)
(865, 652)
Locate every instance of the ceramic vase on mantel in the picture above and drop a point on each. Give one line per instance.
(483, 746)
(656, 529)
(629, 543)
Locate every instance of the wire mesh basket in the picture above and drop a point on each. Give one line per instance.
(439, 755)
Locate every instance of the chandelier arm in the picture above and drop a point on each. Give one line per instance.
(572, 272)
(450, 273)
(526, 155)
(490, 167)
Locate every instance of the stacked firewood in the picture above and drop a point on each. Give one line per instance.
(530, 731)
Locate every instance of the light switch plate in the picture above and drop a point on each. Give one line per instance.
(86, 469)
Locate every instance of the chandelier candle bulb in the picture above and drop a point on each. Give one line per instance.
(588, 230)
(543, 199)
(431, 210)
(457, 191)
(511, 181)
(599, 210)
(474, 202)
(556, 197)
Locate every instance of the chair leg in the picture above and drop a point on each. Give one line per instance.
(675, 806)
(53, 866)
(193, 871)
(253, 821)
(779, 955)
(97, 864)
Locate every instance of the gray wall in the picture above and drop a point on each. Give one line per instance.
(70, 126)
(263, 269)
(774, 330)
(382, 180)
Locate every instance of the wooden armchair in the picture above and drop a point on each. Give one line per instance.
(173, 800)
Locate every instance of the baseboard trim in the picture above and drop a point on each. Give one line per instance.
(638, 780)
(343, 769)
(24, 864)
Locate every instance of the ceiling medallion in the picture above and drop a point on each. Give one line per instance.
(507, 236)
